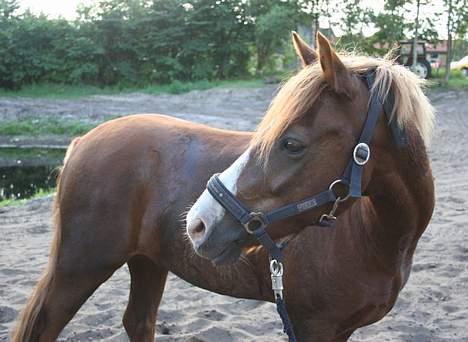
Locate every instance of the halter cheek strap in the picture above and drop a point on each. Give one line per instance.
(361, 152)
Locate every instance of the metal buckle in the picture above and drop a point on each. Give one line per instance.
(359, 150)
(276, 272)
(255, 222)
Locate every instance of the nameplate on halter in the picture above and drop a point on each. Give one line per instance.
(307, 205)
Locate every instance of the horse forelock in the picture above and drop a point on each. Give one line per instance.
(300, 92)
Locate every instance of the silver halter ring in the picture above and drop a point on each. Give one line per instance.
(361, 154)
(338, 197)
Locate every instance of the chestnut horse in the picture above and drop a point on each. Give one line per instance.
(125, 186)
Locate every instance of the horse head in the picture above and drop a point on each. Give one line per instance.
(300, 148)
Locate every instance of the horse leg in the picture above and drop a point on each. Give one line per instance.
(146, 289)
(80, 260)
(343, 337)
(68, 293)
(57, 298)
(310, 330)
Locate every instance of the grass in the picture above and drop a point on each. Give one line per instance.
(456, 81)
(31, 153)
(13, 201)
(39, 127)
(58, 91)
(62, 91)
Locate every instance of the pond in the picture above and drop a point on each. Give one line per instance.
(24, 172)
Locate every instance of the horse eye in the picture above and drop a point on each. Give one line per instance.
(293, 146)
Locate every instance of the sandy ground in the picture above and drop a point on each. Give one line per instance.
(432, 307)
(239, 109)
(217, 107)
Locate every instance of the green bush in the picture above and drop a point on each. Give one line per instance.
(127, 43)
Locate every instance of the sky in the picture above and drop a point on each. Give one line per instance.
(53, 8)
(67, 9)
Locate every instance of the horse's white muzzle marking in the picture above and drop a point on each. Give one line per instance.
(206, 208)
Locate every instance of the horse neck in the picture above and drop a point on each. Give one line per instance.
(400, 201)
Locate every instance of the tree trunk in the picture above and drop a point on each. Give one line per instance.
(314, 28)
(261, 60)
(315, 14)
(449, 43)
(415, 39)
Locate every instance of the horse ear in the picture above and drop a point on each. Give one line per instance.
(334, 71)
(304, 51)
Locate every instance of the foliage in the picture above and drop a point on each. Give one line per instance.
(37, 127)
(67, 91)
(127, 42)
(270, 29)
(457, 80)
(458, 13)
(122, 44)
(355, 18)
(7, 8)
(457, 17)
(390, 25)
(55, 155)
(39, 194)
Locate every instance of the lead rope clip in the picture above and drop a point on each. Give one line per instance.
(330, 218)
(276, 270)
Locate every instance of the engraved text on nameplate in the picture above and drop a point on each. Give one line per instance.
(307, 205)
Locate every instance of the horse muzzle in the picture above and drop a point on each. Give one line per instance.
(216, 243)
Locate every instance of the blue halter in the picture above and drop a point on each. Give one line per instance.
(255, 222)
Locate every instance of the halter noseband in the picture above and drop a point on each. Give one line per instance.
(255, 222)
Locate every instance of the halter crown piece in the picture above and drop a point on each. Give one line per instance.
(255, 222)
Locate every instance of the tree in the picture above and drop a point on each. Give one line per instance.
(271, 29)
(457, 25)
(415, 37)
(390, 25)
(355, 18)
(309, 12)
(8, 8)
(226, 31)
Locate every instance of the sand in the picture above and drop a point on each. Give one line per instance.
(432, 307)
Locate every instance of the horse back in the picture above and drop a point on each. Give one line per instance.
(126, 184)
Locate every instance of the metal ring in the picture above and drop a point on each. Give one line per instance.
(338, 198)
(276, 267)
(255, 217)
(357, 159)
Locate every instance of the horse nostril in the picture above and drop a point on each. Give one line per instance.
(197, 230)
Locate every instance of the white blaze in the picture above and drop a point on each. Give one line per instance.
(206, 208)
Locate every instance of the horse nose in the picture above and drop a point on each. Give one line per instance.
(197, 231)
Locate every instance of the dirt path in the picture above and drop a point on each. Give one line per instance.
(432, 307)
(238, 109)
(218, 106)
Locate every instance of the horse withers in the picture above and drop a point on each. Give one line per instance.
(125, 185)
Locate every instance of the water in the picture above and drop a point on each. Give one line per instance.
(24, 172)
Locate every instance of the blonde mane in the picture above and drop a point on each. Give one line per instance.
(299, 93)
